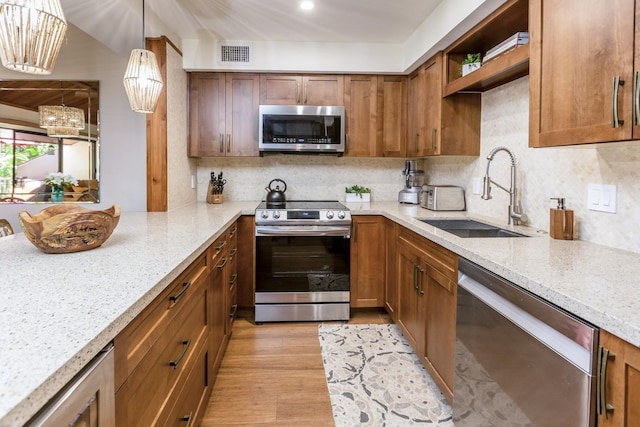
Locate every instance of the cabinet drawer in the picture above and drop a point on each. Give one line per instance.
(145, 392)
(438, 257)
(133, 343)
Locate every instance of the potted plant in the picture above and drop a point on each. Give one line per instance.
(356, 193)
(470, 63)
(58, 181)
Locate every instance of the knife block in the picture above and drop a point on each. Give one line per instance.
(213, 198)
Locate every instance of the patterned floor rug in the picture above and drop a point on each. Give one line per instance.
(375, 379)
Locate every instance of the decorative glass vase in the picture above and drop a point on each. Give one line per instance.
(57, 195)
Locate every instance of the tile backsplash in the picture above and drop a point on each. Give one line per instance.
(542, 173)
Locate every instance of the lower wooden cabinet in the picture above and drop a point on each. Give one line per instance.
(367, 261)
(622, 383)
(426, 311)
(166, 359)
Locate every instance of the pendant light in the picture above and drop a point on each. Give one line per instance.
(31, 33)
(61, 121)
(142, 80)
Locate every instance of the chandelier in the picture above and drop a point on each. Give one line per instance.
(31, 33)
(61, 121)
(142, 79)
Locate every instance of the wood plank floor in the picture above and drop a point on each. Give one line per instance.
(272, 375)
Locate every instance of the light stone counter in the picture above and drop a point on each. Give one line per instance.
(58, 311)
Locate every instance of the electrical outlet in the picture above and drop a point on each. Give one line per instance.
(602, 197)
(477, 185)
(193, 181)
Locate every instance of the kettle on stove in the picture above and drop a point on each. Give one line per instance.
(275, 196)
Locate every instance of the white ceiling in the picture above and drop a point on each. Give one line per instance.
(348, 21)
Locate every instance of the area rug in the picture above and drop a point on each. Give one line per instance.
(375, 379)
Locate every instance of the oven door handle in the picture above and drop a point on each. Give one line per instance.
(305, 230)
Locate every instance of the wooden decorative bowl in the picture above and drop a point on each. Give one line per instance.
(62, 229)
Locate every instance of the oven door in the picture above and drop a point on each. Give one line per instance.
(302, 273)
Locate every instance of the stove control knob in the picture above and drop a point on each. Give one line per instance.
(330, 215)
(341, 214)
(276, 214)
(265, 214)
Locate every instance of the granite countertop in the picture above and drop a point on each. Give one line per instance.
(59, 311)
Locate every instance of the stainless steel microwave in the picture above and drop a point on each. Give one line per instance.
(301, 129)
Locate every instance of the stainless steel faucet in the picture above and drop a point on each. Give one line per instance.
(515, 216)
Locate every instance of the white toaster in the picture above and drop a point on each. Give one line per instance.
(442, 198)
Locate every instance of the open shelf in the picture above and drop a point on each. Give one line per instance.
(509, 19)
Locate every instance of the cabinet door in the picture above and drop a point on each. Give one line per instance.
(392, 91)
(207, 131)
(622, 383)
(361, 106)
(416, 118)
(242, 102)
(411, 306)
(578, 48)
(391, 282)
(432, 99)
(280, 89)
(441, 328)
(323, 90)
(367, 261)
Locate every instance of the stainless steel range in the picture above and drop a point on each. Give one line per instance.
(302, 261)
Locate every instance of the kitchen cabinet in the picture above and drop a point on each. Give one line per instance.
(161, 349)
(582, 84)
(367, 261)
(427, 289)
(392, 94)
(361, 110)
(437, 125)
(622, 382)
(223, 114)
(246, 261)
(297, 89)
(391, 277)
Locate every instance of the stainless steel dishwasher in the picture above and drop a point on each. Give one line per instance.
(520, 361)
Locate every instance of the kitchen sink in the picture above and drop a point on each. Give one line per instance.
(470, 228)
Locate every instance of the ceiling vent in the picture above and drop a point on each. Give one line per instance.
(234, 53)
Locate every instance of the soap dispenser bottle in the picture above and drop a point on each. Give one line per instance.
(561, 221)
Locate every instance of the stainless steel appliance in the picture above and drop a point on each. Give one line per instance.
(88, 401)
(414, 179)
(301, 129)
(520, 361)
(302, 261)
(442, 198)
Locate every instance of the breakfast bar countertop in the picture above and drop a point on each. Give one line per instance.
(59, 311)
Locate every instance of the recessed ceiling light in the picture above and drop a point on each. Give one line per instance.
(306, 4)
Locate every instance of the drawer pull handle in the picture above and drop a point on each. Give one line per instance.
(636, 98)
(233, 311)
(233, 231)
(233, 279)
(233, 253)
(176, 297)
(615, 120)
(187, 418)
(222, 264)
(221, 143)
(602, 407)
(175, 363)
(220, 247)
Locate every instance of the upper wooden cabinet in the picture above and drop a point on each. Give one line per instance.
(392, 93)
(361, 111)
(583, 88)
(506, 21)
(437, 125)
(223, 114)
(296, 89)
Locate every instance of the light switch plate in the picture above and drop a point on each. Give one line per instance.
(602, 197)
(477, 183)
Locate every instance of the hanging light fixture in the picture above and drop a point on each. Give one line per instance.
(142, 80)
(31, 33)
(61, 121)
